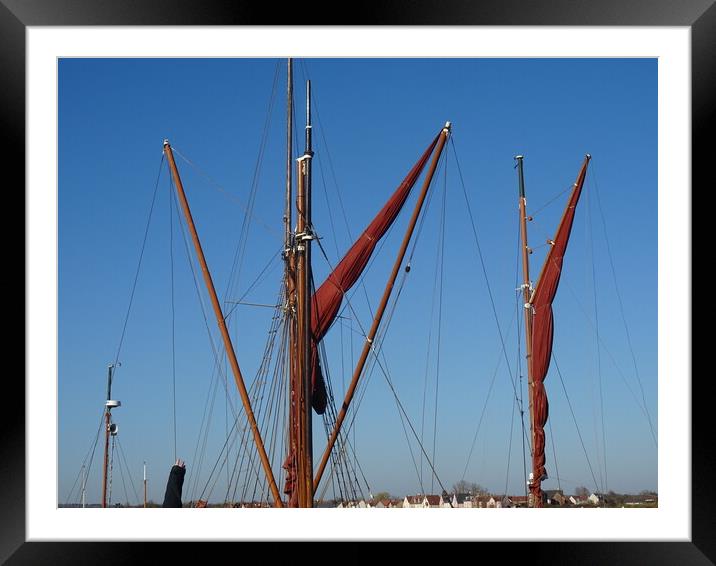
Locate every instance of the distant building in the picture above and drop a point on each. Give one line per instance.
(554, 497)
(484, 501)
(435, 501)
(424, 501)
(459, 500)
(414, 501)
(517, 501)
(578, 500)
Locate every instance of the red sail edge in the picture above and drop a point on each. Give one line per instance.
(327, 299)
(543, 330)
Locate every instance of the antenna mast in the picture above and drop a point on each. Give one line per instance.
(109, 429)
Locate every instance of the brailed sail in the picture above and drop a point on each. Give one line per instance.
(327, 299)
(543, 329)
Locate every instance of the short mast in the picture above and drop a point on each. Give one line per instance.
(108, 429)
(145, 485)
(526, 292)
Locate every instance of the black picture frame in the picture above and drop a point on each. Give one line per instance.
(699, 15)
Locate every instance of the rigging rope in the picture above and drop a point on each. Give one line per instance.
(346, 473)
(571, 410)
(487, 400)
(226, 192)
(171, 272)
(123, 457)
(509, 447)
(487, 282)
(554, 454)
(124, 485)
(596, 330)
(429, 346)
(246, 223)
(484, 269)
(621, 303)
(605, 348)
(89, 457)
(215, 352)
(139, 264)
(268, 269)
(440, 314)
(550, 201)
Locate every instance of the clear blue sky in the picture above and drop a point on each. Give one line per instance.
(374, 118)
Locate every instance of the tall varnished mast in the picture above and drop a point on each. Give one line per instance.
(526, 293)
(303, 237)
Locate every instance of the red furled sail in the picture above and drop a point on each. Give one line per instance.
(543, 330)
(327, 299)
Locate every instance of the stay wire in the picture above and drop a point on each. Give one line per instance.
(484, 269)
(509, 447)
(607, 351)
(222, 189)
(554, 454)
(139, 262)
(123, 459)
(486, 403)
(621, 303)
(440, 313)
(173, 317)
(89, 457)
(605, 485)
(571, 410)
(211, 341)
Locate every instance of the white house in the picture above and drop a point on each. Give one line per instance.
(461, 500)
(414, 501)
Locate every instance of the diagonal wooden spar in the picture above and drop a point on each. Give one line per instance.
(222, 327)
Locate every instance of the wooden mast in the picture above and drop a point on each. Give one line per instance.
(303, 386)
(107, 424)
(289, 158)
(367, 346)
(228, 346)
(289, 257)
(526, 292)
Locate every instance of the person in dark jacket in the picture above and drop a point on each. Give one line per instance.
(172, 496)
